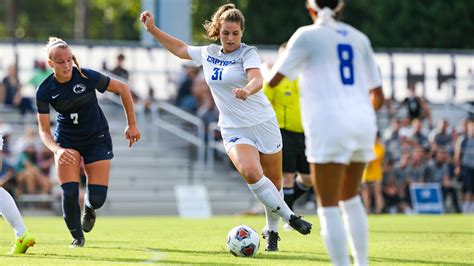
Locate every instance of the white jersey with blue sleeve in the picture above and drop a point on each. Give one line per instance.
(225, 72)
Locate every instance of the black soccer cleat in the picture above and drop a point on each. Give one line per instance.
(300, 225)
(88, 219)
(78, 243)
(272, 240)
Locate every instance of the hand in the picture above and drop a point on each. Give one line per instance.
(241, 93)
(66, 156)
(147, 20)
(132, 133)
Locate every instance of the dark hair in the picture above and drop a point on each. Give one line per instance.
(332, 4)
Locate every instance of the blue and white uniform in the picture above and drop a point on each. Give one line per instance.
(337, 69)
(81, 124)
(252, 121)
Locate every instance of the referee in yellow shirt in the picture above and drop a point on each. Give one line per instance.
(286, 104)
(371, 187)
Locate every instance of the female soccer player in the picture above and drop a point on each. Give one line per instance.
(82, 130)
(248, 124)
(338, 78)
(10, 212)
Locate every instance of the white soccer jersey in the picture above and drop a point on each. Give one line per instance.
(225, 72)
(337, 70)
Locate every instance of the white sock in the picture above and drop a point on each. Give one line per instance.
(265, 191)
(272, 218)
(355, 223)
(10, 212)
(333, 235)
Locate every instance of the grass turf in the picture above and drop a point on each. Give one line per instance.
(394, 240)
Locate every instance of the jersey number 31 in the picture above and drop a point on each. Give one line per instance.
(346, 68)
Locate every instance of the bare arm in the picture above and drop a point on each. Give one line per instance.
(254, 76)
(172, 44)
(64, 156)
(275, 80)
(377, 98)
(132, 133)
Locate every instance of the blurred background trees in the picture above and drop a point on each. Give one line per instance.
(388, 23)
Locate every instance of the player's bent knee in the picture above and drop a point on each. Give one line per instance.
(96, 195)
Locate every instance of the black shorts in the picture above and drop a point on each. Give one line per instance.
(294, 158)
(467, 177)
(99, 150)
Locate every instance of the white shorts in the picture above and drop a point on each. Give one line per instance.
(266, 137)
(341, 140)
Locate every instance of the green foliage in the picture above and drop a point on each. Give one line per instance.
(393, 240)
(388, 23)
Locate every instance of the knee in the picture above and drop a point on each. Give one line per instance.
(251, 172)
(96, 195)
(70, 190)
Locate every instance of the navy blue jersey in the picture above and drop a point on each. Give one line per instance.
(80, 119)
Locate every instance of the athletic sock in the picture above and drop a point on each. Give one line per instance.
(333, 235)
(95, 196)
(11, 213)
(71, 209)
(288, 196)
(265, 191)
(355, 223)
(299, 189)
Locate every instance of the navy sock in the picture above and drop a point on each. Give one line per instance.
(71, 209)
(96, 195)
(289, 198)
(299, 189)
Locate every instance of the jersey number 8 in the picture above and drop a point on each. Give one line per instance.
(346, 68)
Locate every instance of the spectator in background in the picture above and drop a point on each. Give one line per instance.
(185, 99)
(402, 172)
(417, 133)
(30, 178)
(119, 70)
(206, 108)
(371, 187)
(438, 171)
(40, 73)
(464, 162)
(440, 137)
(416, 106)
(11, 94)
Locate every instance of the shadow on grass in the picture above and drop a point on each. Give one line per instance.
(261, 255)
(390, 231)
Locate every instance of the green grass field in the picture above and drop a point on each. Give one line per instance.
(408, 240)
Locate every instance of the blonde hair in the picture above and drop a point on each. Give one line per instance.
(55, 42)
(228, 13)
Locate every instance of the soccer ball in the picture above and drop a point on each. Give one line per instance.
(243, 241)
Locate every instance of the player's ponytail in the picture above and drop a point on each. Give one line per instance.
(55, 42)
(78, 67)
(227, 12)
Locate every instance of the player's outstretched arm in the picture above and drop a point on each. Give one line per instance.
(172, 44)
(132, 133)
